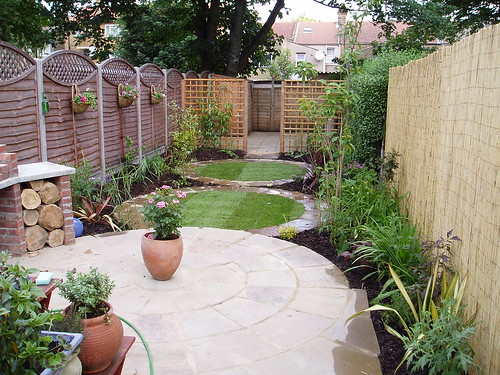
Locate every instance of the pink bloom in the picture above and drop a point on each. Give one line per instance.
(153, 192)
(346, 255)
(150, 200)
(165, 187)
(181, 194)
(175, 201)
(82, 98)
(161, 204)
(124, 93)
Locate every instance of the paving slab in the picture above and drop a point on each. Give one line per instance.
(240, 304)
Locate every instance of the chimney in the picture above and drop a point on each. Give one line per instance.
(342, 20)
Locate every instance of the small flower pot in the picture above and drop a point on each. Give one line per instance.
(80, 107)
(124, 102)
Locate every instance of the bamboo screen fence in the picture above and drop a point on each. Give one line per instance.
(197, 91)
(98, 135)
(295, 125)
(444, 119)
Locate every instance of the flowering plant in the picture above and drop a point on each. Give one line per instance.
(87, 97)
(163, 210)
(129, 91)
(158, 93)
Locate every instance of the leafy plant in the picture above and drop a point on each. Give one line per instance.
(87, 292)
(93, 212)
(441, 345)
(389, 164)
(214, 120)
(22, 345)
(158, 92)
(83, 184)
(425, 311)
(87, 97)
(287, 232)
(306, 71)
(164, 211)
(392, 242)
(282, 66)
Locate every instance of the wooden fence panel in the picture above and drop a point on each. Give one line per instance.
(70, 136)
(226, 90)
(443, 117)
(266, 106)
(295, 125)
(18, 109)
(174, 94)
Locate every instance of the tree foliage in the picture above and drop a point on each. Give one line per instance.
(218, 36)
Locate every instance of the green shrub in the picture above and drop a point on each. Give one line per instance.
(83, 184)
(370, 108)
(287, 232)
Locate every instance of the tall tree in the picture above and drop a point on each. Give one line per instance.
(218, 36)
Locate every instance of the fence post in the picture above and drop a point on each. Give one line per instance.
(100, 116)
(139, 111)
(41, 115)
(164, 71)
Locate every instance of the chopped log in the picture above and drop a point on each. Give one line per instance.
(36, 185)
(30, 217)
(56, 238)
(36, 237)
(50, 216)
(30, 199)
(49, 193)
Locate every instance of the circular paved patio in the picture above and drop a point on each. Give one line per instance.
(240, 303)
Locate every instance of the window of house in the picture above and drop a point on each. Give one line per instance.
(300, 56)
(307, 29)
(330, 55)
(111, 30)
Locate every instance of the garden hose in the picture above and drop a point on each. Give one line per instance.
(146, 346)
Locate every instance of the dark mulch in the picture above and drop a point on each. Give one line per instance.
(391, 348)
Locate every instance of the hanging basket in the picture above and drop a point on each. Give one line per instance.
(77, 107)
(154, 98)
(123, 101)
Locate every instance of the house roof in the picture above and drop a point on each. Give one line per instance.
(311, 33)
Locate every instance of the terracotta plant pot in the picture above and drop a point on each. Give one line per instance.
(102, 338)
(161, 257)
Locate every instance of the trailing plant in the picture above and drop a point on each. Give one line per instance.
(23, 347)
(164, 211)
(214, 119)
(87, 292)
(87, 97)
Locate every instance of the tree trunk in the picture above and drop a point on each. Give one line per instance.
(36, 237)
(51, 217)
(30, 199)
(233, 57)
(206, 24)
(260, 36)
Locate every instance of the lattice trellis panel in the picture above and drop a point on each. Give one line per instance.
(191, 74)
(68, 67)
(295, 125)
(117, 71)
(151, 74)
(15, 64)
(233, 91)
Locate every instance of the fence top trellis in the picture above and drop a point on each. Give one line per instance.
(69, 67)
(174, 78)
(117, 70)
(15, 64)
(151, 74)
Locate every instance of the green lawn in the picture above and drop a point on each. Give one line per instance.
(239, 210)
(251, 171)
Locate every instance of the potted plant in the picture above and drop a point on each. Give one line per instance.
(157, 94)
(102, 329)
(162, 249)
(24, 347)
(82, 101)
(127, 95)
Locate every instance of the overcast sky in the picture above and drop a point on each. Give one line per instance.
(308, 8)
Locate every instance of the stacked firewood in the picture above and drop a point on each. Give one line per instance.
(43, 218)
